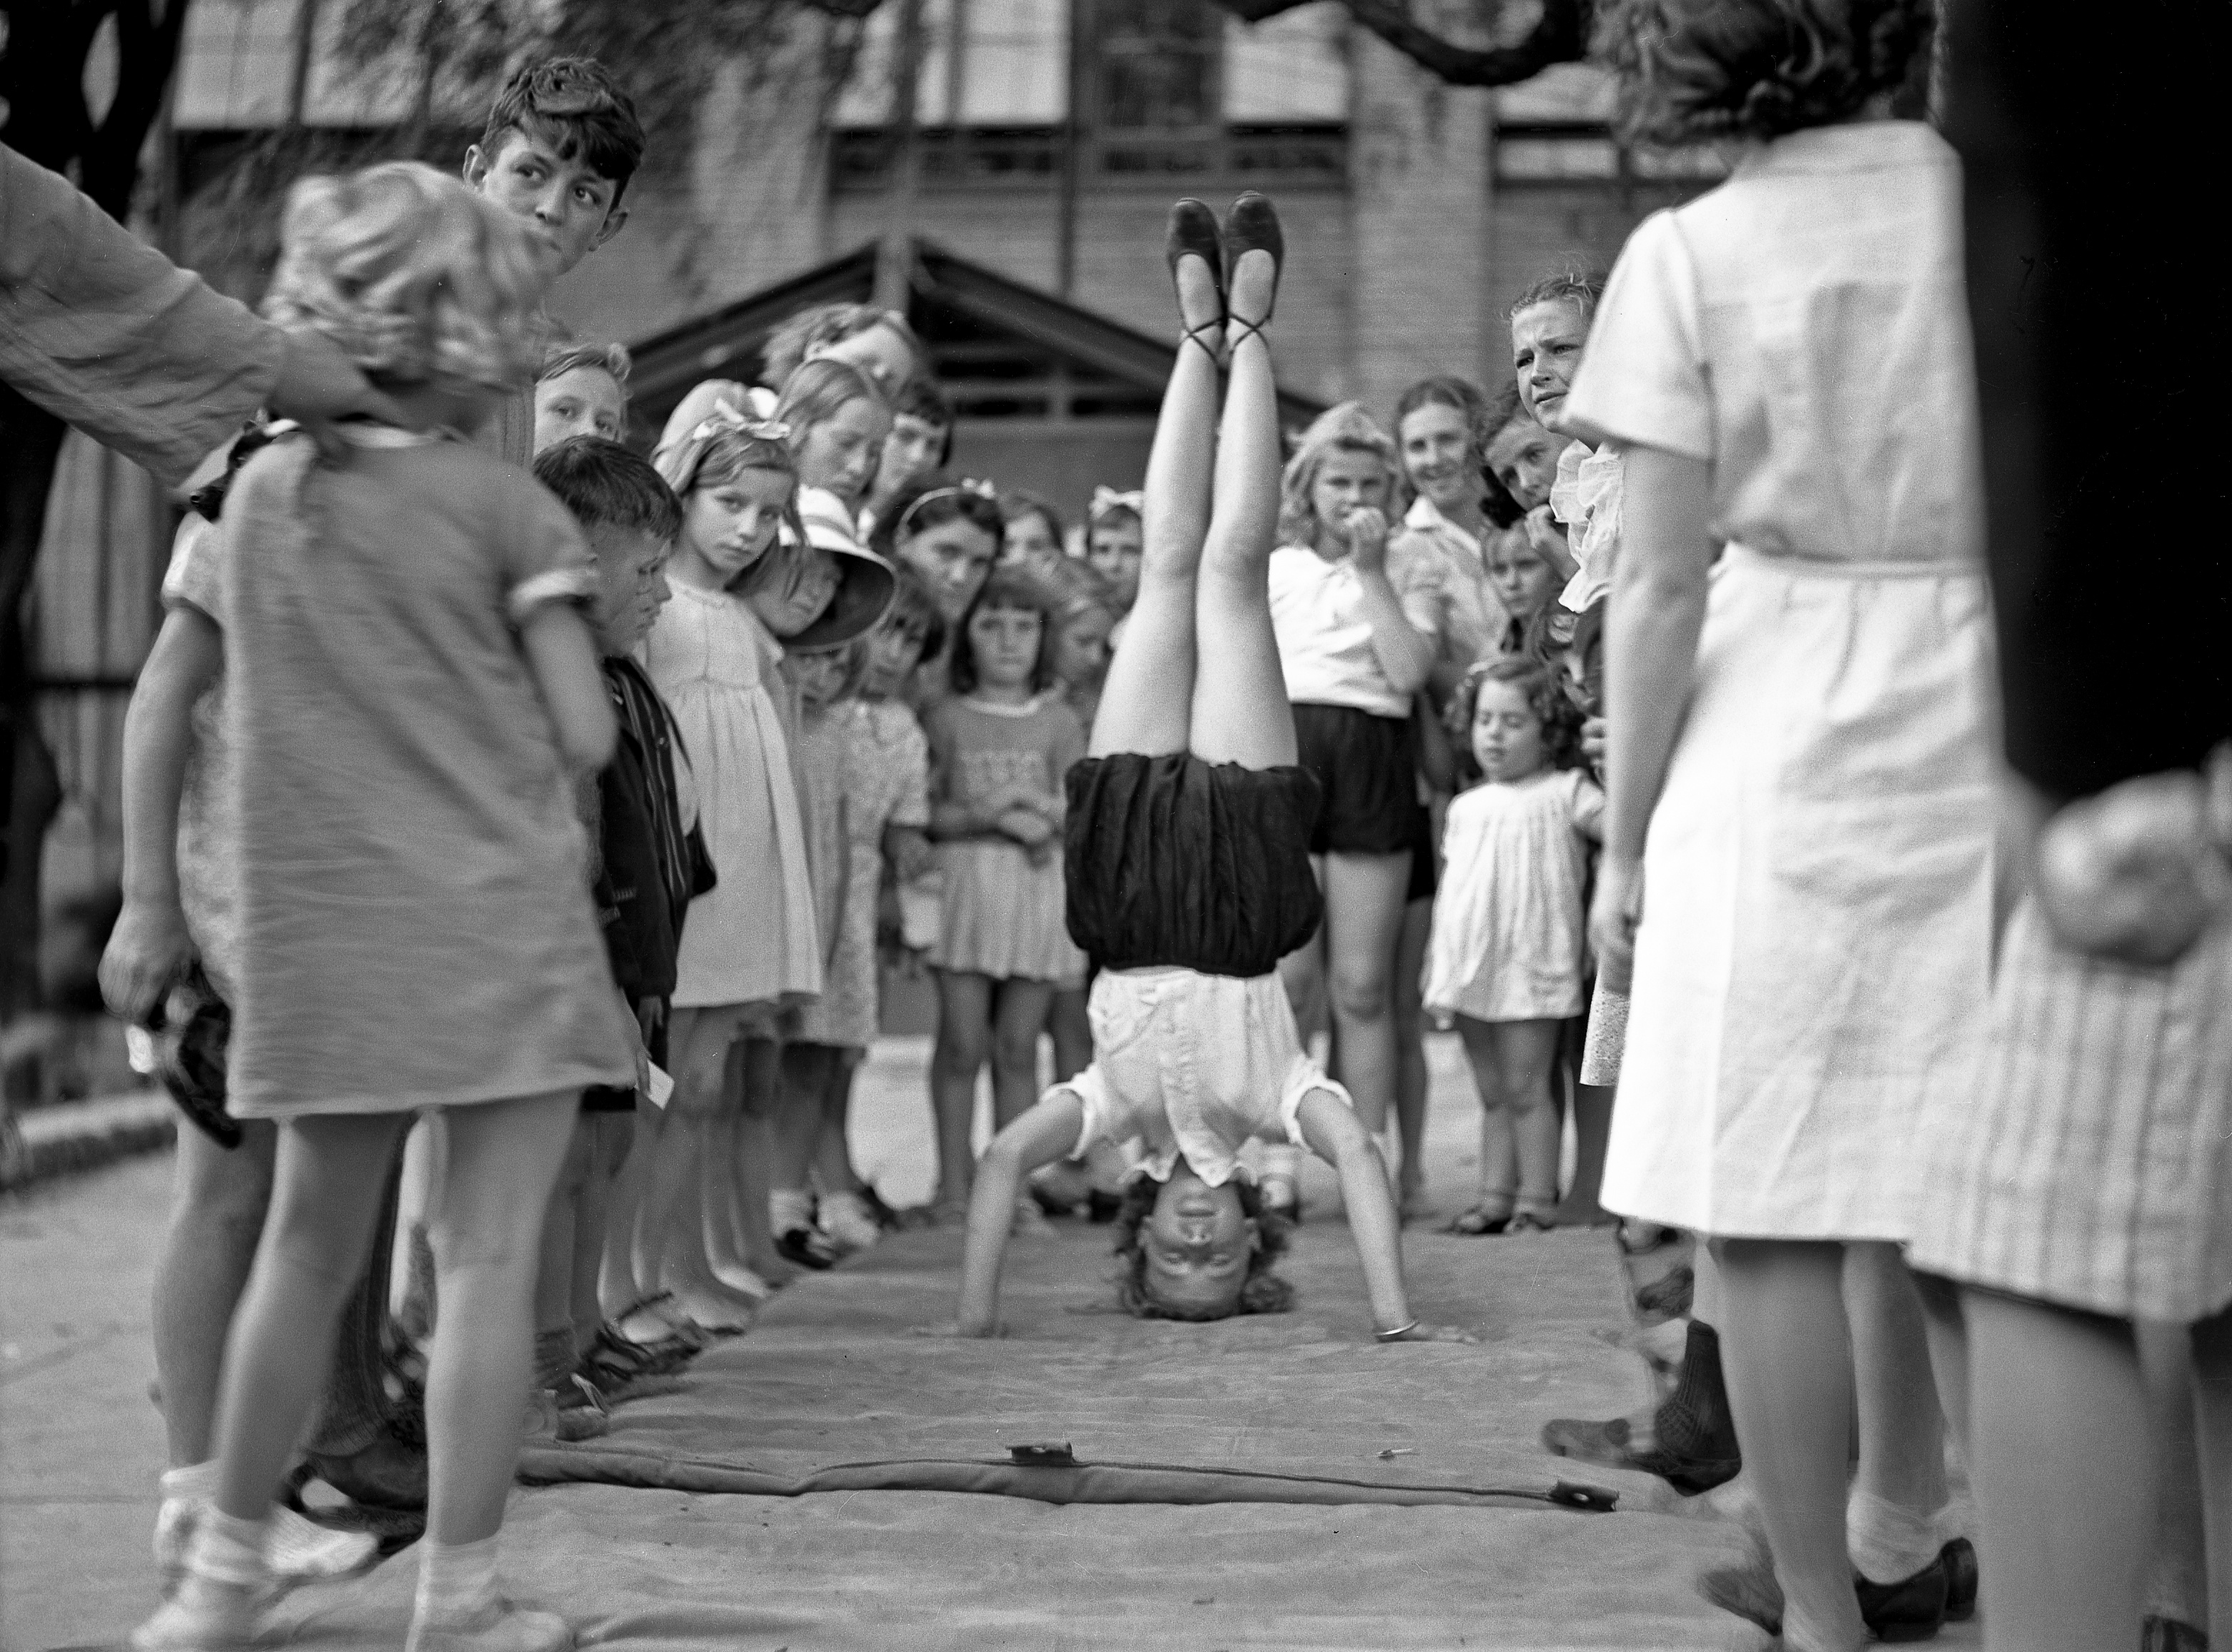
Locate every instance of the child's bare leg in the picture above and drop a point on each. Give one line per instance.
(833, 1150)
(1898, 1490)
(1499, 1158)
(1411, 1078)
(798, 1113)
(1073, 1033)
(1019, 1012)
(1240, 712)
(327, 1190)
(670, 1247)
(1527, 1051)
(1148, 700)
(1364, 916)
(1591, 1135)
(2059, 1452)
(620, 1285)
(503, 1158)
(745, 1240)
(216, 1216)
(610, 1138)
(965, 1031)
(563, 1217)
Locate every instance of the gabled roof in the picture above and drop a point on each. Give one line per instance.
(948, 291)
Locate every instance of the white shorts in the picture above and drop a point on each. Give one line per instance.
(1185, 1063)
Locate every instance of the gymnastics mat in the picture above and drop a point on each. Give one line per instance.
(1272, 1482)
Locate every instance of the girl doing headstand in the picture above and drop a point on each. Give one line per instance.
(1187, 841)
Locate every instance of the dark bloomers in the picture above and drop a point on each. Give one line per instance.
(1172, 862)
(1693, 70)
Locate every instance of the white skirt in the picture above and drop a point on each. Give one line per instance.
(1812, 974)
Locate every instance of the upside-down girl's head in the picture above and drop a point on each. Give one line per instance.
(413, 276)
(1186, 1250)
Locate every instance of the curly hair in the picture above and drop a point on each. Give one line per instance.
(413, 274)
(574, 105)
(1561, 722)
(1261, 1292)
(1343, 429)
(1690, 71)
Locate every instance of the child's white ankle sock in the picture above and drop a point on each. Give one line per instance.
(789, 1208)
(226, 1550)
(196, 1480)
(456, 1580)
(1889, 1544)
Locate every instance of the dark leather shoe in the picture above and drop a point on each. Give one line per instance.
(1913, 1608)
(1959, 1559)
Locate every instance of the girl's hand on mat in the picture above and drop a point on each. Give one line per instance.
(1424, 1332)
(955, 1328)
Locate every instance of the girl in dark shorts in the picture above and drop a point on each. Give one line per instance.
(1188, 859)
(1357, 621)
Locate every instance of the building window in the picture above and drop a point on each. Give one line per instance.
(1170, 88)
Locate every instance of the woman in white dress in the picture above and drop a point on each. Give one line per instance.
(1799, 798)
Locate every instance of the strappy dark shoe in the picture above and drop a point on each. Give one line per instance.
(1252, 226)
(1192, 231)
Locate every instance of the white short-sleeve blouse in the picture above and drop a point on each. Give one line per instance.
(1825, 360)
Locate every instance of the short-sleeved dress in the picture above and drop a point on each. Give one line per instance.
(751, 938)
(1811, 976)
(1509, 940)
(416, 928)
(1003, 914)
(866, 767)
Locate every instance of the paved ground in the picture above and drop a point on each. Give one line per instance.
(80, 1444)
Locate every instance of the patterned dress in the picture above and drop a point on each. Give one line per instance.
(866, 767)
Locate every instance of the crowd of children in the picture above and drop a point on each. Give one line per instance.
(610, 797)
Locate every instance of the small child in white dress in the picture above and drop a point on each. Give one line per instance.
(1507, 956)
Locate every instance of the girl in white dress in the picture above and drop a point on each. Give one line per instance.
(1799, 813)
(1506, 957)
(749, 947)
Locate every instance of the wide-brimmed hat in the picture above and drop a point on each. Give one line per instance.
(864, 580)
